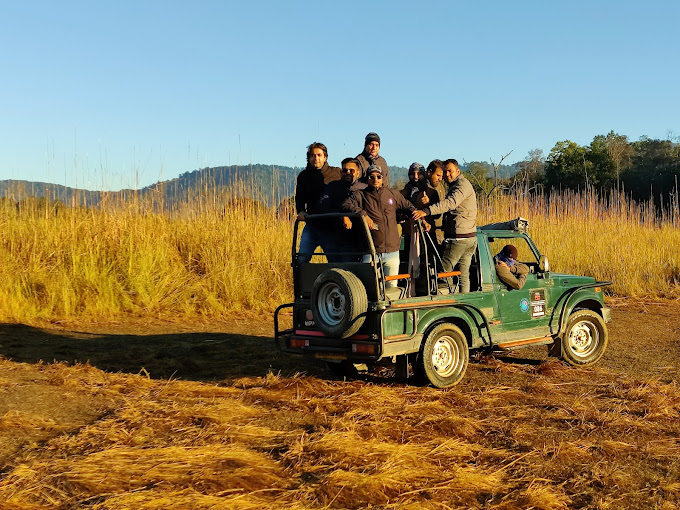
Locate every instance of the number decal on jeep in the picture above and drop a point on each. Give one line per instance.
(537, 303)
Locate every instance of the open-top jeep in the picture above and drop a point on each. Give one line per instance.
(346, 312)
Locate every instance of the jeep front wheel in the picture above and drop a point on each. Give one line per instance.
(585, 338)
(445, 355)
(339, 303)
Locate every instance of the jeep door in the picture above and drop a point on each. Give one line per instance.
(526, 308)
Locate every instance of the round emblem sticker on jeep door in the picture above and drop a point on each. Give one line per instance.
(524, 305)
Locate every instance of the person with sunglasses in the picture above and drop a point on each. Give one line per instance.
(334, 195)
(379, 205)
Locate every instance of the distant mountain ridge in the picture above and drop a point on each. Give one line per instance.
(270, 184)
(267, 183)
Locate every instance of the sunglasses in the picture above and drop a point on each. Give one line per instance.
(376, 177)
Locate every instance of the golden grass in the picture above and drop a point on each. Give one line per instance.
(103, 263)
(607, 237)
(576, 439)
(215, 256)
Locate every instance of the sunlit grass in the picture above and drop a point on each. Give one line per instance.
(560, 439)
(214, 254)
(607, 237)
(100, 263)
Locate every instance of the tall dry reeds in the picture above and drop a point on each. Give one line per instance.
(609, 237)
(213, 253)
(209, 256)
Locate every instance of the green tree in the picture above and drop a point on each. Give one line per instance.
(598, 165)
(602, 169)
(478, 174)
(655, 169)
(621, 152)
(567, 166)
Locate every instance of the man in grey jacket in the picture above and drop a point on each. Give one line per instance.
(459, 224)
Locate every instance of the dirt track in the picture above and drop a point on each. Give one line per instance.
(644, 342)
(36, 405)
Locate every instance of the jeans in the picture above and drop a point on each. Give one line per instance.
(390, 265)
(460, 251)
(312, 237)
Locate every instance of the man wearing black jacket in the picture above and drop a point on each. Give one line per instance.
(308, 191)
(333, 197)
(371, 156)
(379, 204)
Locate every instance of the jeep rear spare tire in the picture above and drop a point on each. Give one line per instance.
(339, 303)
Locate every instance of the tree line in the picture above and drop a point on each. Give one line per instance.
(643, 169)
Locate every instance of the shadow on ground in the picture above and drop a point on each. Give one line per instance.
(197, 356)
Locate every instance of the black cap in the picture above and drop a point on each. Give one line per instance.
(372, 137)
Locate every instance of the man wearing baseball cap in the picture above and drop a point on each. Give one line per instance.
(379, 205)
(511, 272)
(370, 156)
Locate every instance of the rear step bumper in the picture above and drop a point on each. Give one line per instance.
(313, 343)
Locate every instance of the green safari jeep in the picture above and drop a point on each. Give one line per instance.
(347, 312)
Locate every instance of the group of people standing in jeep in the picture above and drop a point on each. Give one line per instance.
(439, 196)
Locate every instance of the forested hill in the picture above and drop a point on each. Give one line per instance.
(644, 169)
(270, 184)
(267, 183)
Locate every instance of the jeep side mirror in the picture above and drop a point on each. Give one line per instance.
(543, 264)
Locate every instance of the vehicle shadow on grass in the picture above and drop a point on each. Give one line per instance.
(195, 356)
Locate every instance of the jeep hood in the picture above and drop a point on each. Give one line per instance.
(571, 280)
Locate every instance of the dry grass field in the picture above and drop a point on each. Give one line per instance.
(239, 425)
(138, 371)
(215, 255)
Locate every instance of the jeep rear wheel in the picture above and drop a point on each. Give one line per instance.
(339, 303)
(585, 338)
(445, 355)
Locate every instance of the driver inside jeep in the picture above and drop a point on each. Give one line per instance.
(509, 270)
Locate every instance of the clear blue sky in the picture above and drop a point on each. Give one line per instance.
(105, 95)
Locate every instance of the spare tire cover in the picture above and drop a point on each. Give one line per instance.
(339, 303)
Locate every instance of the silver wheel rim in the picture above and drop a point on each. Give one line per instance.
(583, 339)
(331, 304)
(445, 356)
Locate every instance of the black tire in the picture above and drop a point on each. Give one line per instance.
(339, 303)
(584, 340)
(445, 355)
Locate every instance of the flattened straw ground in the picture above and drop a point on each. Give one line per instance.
(535, 438)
